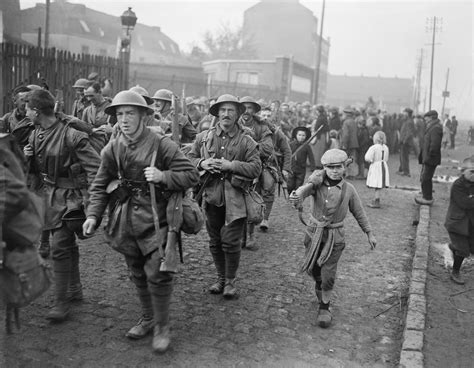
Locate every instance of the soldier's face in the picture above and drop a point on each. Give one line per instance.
(249, 111)
(79, 92)
(20, 102)
(160, 105)
(265, 115)
(228, 114)
(32, 114)
(128, 118)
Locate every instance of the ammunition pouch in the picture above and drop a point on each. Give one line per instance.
(74, 219)
(241, 182)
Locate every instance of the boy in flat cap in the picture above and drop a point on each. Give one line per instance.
(331, 197)
(460, 218)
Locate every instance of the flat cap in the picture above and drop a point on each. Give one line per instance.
(348, 110)
(468, 163)
(431, 113)
(334, 156)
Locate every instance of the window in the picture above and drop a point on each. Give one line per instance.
(247, 78)
(162, 45)
(84, 49)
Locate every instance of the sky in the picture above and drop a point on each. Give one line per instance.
(370, 38)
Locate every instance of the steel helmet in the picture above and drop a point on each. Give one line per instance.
(128, 98)
(163, 94)
(214, 109)
(34, 87)
(82, 83)
(248, 99)
(142, 92)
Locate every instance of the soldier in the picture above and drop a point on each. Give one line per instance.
(230, 158)
(163, 99)
(262, 134)
(349, 142)
(331, 198)
(66, 161)
(280, 159)
(131, 228)
(148, 120)
(95, 114)
(81, 102)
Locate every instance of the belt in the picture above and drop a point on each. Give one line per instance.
(64, 183)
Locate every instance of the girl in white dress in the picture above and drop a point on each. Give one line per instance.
(377, 177)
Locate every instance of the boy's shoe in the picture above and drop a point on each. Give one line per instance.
(251, 244)
(423, 201)
(324, 318)
(457, 278)
(217, 287)
(141, 329)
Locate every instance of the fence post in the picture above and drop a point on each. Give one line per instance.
(2, 65)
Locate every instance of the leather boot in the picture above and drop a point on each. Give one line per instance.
(62, 272)
(161, 334)
(230, 291)
(74, 292)
(146, 323)
(251, 244)
(219, 261)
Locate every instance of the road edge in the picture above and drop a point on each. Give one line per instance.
(411, 355)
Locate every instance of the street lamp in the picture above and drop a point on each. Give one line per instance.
(128, 20)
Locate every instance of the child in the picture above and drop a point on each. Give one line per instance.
(333, 141)
(298, 162)
(331, 197)
(377, 177)
(460, 218)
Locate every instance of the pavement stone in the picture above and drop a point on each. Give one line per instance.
(272, 324)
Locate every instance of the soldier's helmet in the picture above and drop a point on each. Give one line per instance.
(34, 87)
(82, 83)
(248, 99)
(214, 109)
(163, 94)
(142, 92)
(128, 98)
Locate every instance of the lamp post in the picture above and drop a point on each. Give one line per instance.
(128, 20)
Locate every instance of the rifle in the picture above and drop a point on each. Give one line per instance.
(175, 122)
(183, 100)
(154, 207)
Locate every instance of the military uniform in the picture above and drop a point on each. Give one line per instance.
(131, 229)
(95, 115)
(65, 160)
(187, 131)
(225, 204)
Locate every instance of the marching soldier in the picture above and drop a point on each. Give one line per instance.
(81, 102)
(140, 161)
(281, 160)
(163, 99)
(262, 134)
(66, 162)
(230, 159)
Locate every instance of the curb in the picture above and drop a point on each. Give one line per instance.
(411, 355)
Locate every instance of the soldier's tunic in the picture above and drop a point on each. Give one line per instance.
(131, 230)
(187, 132)
(78, 107)
(224, 204)
(95, 115)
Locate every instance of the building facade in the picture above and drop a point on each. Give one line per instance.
(80, 30)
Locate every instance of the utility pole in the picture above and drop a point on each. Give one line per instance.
(433, 25)
(318, 65)
(46, 26)
(445, 92)
(418, 82)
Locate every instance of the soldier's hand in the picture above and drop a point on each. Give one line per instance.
(28, 150)
(212, 165)
(285, 174)
(372, 240)
(226, 165)
(88, 227)
(152, 174)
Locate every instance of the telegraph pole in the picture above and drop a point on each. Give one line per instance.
(318, 65)
(445, 92)
(418, 82)
(46, 26)
(433, 24)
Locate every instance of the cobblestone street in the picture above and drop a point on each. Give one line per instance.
(272, 324)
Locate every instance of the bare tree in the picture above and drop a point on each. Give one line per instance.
(226, 43)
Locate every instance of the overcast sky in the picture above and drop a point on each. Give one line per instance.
(369, 38)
